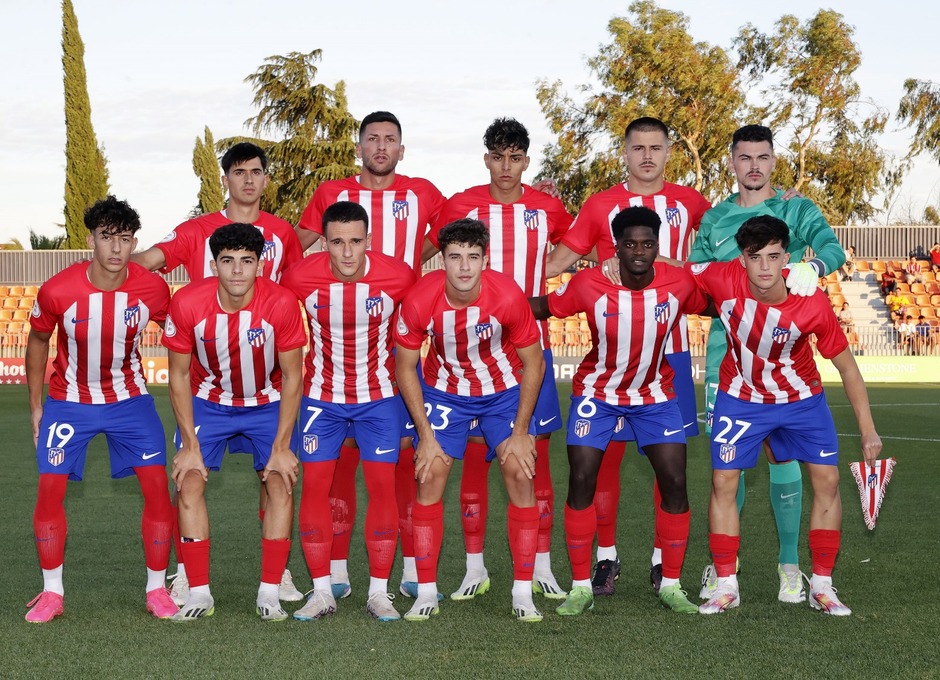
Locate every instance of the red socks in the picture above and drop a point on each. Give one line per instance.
(544, 495)
(824, 547)
(428, 529)
(49, 524)
(274, 556)
(673, 532)
(343, 501)
(607, 493)
(724, 554)
(316, 524)
(474, 496)
(156, 523)
(381, 517)
(406, 490)
(522, 528)
(580, 526)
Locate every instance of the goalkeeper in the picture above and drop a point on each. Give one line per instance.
(752, 161)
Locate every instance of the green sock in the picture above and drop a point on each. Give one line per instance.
(786, 497)
(739, 499)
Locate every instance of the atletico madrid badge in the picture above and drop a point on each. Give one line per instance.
(872, 481)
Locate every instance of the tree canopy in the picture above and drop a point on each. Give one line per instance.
(211, 196)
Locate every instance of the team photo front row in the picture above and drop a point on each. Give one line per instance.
(240, 380)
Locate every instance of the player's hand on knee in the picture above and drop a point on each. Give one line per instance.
(185, 461)
(425, 454)
(285, 464)
(522, 447)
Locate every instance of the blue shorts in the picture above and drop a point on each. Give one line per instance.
(132, 427)
(253, 427)
(593, 423)
(800, 430)
(324, 425)
(681, 364)
(451, 415)
(406, 427)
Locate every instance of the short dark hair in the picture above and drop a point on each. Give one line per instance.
(646, 124)
(637, 216)
(752, 133)
(345, 212)
(761, 230)
(506, 133)
(113, 216)
(242, 153)
(236, 236)
(379, 117)
(467, 232)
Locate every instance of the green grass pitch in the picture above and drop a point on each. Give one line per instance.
(888, 576)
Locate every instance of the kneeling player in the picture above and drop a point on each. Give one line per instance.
(624, 382)
(246, 334)
(482, 336)
(769, 388)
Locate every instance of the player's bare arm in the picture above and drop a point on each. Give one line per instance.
(37, 355)
(151, 259)
(306, 237)
(406, 362)
(282, 461)
(560, 260)
(189, 457)
(428, 251)
(857, 393)
(520, 443)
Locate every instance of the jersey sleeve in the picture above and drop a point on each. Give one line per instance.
(701, 249)
(708, 276)
(312, 217)
(452, 209)
(700, 206)
(559, 220)
(694, 299)
(44, 315)
(178, 246)
(582, 236)
(812, 227)
(410, 328)
(830, 339)
(523, 330)
(178, 331)
(564, 301)
(161, 299)
(293, 252)
(289, 329)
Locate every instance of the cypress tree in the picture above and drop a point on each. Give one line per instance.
(86, 172)
(206, 167)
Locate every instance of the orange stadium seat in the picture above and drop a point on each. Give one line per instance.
(930, 277)
(879, 266)
(16, 291)
(6, 315)
(932, 288)
(4, 290)
(928, 312)
(837, 300)
(862, 265)
(897, 265)
(31, 291)
(935, 300)
(903, 288)
(922, 300)
(565, 277)
(924, 265)
(21, 315)
(832, 277)
(11, 302)
(834, 287)
(26, 303)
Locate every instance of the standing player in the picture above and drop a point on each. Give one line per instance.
(523, 222)
(752, 161)
(399, 209)
(624, 384)
(482, 336)
(646, 150)
(770, 389)
(243, 166)
(245, 334)
(350, 296)
(101, 307)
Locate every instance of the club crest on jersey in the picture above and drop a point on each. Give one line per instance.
(621, 421)
(582, 427)
(400, 210)
(780, 335)
(699, 267)
(35, 311)
(484, 331)
(56, 456)
(256, 337)
(269, 252)
(169, 328)
(311, 443)
(531, 219)
(662, 312)
(375, 306)
(132, 316)
(674, 217)
(727, 452)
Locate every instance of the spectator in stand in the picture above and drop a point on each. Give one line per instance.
(935, 257)
(845, 318)
(889, 281)
(906, 333)
(848, 269)
(896, 302)
(922, 335)
(912, 272)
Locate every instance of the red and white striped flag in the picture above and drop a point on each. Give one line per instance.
(872, 481)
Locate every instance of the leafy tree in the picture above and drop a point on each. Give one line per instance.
(652, 67)
(804, 74)
(86, 172)
(41, 242)
(206, 167)
(920, 107)
(316, 133)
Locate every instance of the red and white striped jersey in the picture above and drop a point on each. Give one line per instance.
(188, 245)
(769, 358)
(399, 216)
(520, 233)
(680, 209)
(97, 359)
(235, 354)
(472, 350)
(629, 332)
(350, 359)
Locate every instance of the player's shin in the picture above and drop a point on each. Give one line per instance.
(50, 528)
(786, 498)
(607, 498)
(315, 521)
(381, 526)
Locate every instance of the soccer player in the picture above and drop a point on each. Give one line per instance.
(522, 222)
(400, 211)
(646, 150)
(624, 384)
(101, 307)
(235, 370)
(769, 388)
(350, 295)
(482, 336)
(244, 176)
(752, 161)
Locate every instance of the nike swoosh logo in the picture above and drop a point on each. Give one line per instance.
(688, 425)
(148, 456)
(381, 452)
(87, 318)
(784, 496)
(611, 313)
(546, 422)
(321, 306)
(718, 243)
(826, 454)
(669, 433)
(409, 426)
(207, 339)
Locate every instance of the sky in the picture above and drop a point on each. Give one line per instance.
(159, 72)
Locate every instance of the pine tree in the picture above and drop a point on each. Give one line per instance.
(86, 172)
(206, 167)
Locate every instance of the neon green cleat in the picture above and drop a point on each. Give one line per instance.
(579, 599)
(674, 598)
